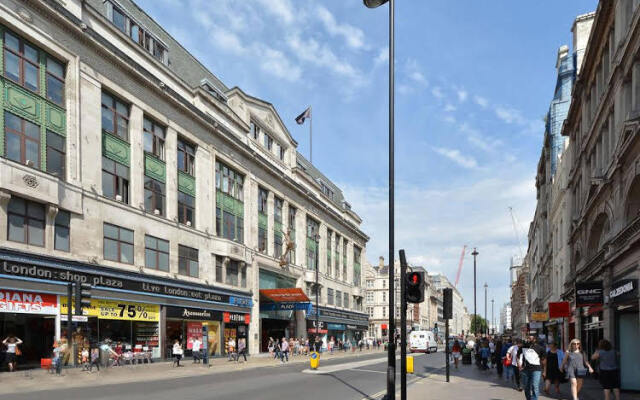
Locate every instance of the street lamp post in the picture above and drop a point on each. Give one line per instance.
(391, 367)
(485, 308)
(493, 322)
(315, 344)
(475, 310)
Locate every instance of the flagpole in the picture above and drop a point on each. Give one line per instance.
(311, 136)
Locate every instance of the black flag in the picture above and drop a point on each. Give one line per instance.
(306, 114)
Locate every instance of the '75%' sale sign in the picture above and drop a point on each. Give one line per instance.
(116, 309)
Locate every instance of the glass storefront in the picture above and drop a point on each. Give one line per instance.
(185, 324)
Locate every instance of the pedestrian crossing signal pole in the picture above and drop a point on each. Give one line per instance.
(403, 326)
(447, 313)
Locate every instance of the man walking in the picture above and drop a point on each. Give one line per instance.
(531, 358)
(196, 344)
(284, 350)
(513, 357)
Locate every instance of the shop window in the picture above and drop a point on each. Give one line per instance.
(153, 138)
(115, 116)
(22, 140)
(56, 154)
(186, 209)
(154, 196)
(156, 253)
(55, 81)
(61, 228)
(188, 261)
(219, 268)
(186, 157)
(26, 221)
(115, 180)
(118, 244)
(21, 62)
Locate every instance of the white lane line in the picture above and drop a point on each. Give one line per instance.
(340, 367)
(368, 370)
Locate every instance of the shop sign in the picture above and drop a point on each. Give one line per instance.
(289, 295)
(311, 327)
(228, 317)
(589, 294)
(285, 307)
(539, 316)
(117, 309)
(560, 309)
(193, 314)
(19, 302)
(352, 327)
(622, 290)
(535, 325)
(336, 327)
(103, 280)
(74, 318)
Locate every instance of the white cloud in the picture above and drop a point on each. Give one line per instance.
(418, 77)
(450, 119)
(382, 57)
(462, 95)
(437, 92)
(354, 37)
(481, 101)
(509, 115)
(276, 63)
(282, 9)
(480, 140)
(449, 107)
(457, 157)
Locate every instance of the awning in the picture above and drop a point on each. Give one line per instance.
(287, 295)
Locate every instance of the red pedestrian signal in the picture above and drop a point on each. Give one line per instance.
(414, 292)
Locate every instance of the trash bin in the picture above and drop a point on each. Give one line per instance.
(314, 359)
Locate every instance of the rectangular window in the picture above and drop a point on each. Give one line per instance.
(233, 273)
(278, 231)
(118, 244)
(268, 141)
(369, 297)
(254, 130)
(263, 196)
(154, 196)
(262, 220)
(156, 253)
(219, 262)
(22, 140)
(357, 270)
(262, 239)
(115, 180)
(338, 270)
(345, 302)
(186, 209)
(230, 207)
(56, 154)
(384, 297)
(119, 19)
(370, 311)
(187, 261)
(292, 233)
(312, 229)
(330, 296)
(338, 298)
(344, 259)
(328, 247)
(61, 230)
(55, 81)
(26, 221)
(153, 138)
(186, 157)
(21, 62)
(115, 117)
(282, 153)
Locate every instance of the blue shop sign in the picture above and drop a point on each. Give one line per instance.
(336, 327)
(285, 307)
(241, 301)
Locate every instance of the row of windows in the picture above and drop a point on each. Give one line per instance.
(26, 223)
(267, 140)
(341, 299)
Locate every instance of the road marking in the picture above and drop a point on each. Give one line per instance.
(368, 370)
(340, 367)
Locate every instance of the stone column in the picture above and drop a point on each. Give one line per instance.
(91, 138)
(49, 232)
(322, 249)
(205, 206)
(301, 238)
(136, 170)
(270, 223)
(5, 197)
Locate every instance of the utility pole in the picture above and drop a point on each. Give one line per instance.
(485, 307)
(493, 322)
(475, 310)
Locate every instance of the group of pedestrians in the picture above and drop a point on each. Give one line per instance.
(530, 364)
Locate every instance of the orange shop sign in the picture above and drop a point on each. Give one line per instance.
(539, 316)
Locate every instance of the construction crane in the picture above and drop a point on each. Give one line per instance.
(516, 232)
(464, 248)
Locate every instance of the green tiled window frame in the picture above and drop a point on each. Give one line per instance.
(116, 149)
(155, 168)
(47, 115)
(186, 183)
(233, 206)
(263, 220)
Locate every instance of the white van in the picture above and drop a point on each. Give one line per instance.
(423, 342)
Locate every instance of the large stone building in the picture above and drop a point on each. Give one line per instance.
(603, 127)
(460, 322)
(505, 318)
(128, 165)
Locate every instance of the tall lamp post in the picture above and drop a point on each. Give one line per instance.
(493, 322)
(485, 308)
(315, 344)
(391, 367)
(475, 310)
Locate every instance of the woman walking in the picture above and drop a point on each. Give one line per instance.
(455, 351)
(551, 372)
(12, 343)
(177, 353)
(608, 366)
(576, 367)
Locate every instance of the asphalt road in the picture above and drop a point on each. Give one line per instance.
(355, 382)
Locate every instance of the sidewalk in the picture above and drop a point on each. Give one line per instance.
(468, 382)
(34, 380)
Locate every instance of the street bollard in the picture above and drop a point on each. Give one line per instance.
(314, 360)
(410, 364)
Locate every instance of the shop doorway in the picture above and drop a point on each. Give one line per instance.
(273, 328)
(630, 354)
(37, 333)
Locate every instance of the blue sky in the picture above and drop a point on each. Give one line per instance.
(473, 82)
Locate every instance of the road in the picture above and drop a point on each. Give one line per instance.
(346, 378)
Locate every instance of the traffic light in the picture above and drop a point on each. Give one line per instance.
(447, 306)
(83, 297)
(414, 292)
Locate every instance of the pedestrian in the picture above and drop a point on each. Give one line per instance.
(485, 352)
(95, 359)
(57, 356)
(492, 349)
(84, 358)
(196, 344)
(13, 351)
(331, 344)
(177, 353)
(231, 349)
(551, 371)
(513, 357)
(455, 352)
(576, 367)
(284, 350)
(609, 370)
(242, 349)
(271, 347)
(360, 344)
(497, 357)
(531, 358)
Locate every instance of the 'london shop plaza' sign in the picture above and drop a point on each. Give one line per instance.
(589, 294)
(109, 282)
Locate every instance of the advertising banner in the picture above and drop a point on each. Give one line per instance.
(117, 309)
(194, 331)
(560, 309)
(539, 316)
(15, 301)
(589, 294)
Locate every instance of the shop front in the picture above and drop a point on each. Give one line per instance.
(624, 299)
(31, 317)
(345, 325)
(336, 331)
(185, 324)
(236, 327)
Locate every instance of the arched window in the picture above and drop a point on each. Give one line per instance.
(598, 234)
(632, 204)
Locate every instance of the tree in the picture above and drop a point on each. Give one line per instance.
(480, 322)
